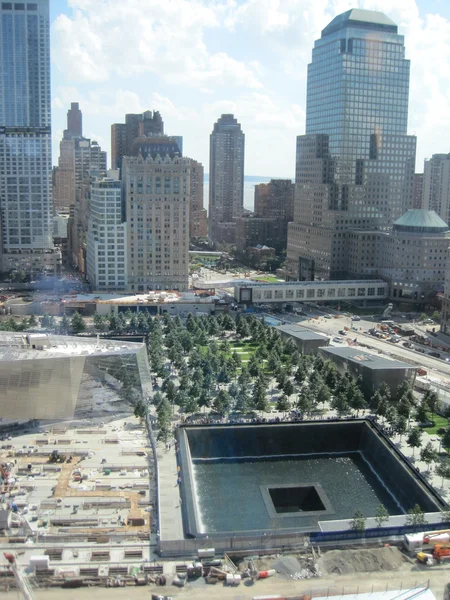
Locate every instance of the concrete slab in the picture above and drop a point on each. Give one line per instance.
(170, 501)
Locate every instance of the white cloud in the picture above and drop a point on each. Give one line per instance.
(196, 59)
(104, 39)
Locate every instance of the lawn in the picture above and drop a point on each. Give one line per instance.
(439, 423)
(267, 278)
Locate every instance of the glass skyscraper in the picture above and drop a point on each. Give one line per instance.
(226, 179)
(25, 136)
(355, 165)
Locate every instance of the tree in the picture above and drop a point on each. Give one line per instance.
(323, 394)
(401, 425)
(32, 321)
(445, 515)
(415, 516)
(436, 316)
(381, 515)
(191, 404)
(99, 322)
(77, 323)
(421, 413)
(428, 454)
(288, 388)
(64, 324)
(283, 404)
(140, 410)
(443, 470)
(358, 523)
(446, 438)
(259, 398)
(414, 439)
(431, 401)
(222, 402)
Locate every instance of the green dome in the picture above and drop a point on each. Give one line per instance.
(420, 221)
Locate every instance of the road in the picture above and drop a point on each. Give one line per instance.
(406, 577)
(331, 327)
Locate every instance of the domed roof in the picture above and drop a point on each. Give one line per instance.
(357, 17)
(417, 220)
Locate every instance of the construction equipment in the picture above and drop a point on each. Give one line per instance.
(439, 552)
(56, 457)
(20, 576)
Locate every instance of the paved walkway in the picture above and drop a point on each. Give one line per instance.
(170, 506)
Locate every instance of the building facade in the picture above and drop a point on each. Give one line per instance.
(418, 191)
(436, 185)
(410, 258)
(124, 134)
(25, 137)
(355, 164)
(275, 201)
(226, 179)
(157, 204)
(106, 240)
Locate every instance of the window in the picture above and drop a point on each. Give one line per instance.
(380, 291)
(310, 293)
(361, 292)
(279, 294)
(351, 292)
(300, 293)
(371, 292)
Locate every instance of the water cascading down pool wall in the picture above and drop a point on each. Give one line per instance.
(285, 477)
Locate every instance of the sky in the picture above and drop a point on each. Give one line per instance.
(195, 59)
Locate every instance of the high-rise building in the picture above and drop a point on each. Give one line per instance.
(417, 191)
(226, 179)
(135, 126)
(355, 164)
(74, 122)
(79, 157)
(275, 201)
(106, 236)
(157, 203)
(436, 185)
(25, 137)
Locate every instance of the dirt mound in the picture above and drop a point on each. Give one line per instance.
(344, 562)
(286, 565)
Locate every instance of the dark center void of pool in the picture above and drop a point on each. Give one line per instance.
(296, 499)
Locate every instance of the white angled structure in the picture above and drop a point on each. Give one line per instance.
(50, 376)
(25, 137)
(106, 237)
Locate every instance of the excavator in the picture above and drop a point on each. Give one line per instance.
(438, 553)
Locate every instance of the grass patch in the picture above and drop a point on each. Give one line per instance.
(439, 423)
(267, 278)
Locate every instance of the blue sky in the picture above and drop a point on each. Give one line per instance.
(195, 59)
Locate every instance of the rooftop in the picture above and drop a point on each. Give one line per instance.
(417, 220)
(372, 361)
(19, 346)
(366, 19)
(301, 332)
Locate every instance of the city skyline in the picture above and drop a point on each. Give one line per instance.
(249, 60)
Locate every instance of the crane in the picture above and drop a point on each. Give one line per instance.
(20, 576)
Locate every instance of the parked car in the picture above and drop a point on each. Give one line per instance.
(356, 318)
(434, 354)
(338, 340)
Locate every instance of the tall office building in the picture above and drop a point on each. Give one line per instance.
(418, 191)
(25, 137)
(436, 185)
(74, 122)
(157, 203)
(226, 179)
(106, 236)
(79, 157)
(355, 165)
(123, 135)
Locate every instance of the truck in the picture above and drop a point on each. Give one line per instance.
(413, 542)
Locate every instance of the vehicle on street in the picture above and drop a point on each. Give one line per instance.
(434, 354)
(342, 332)
(356, 318)
(338, 339)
